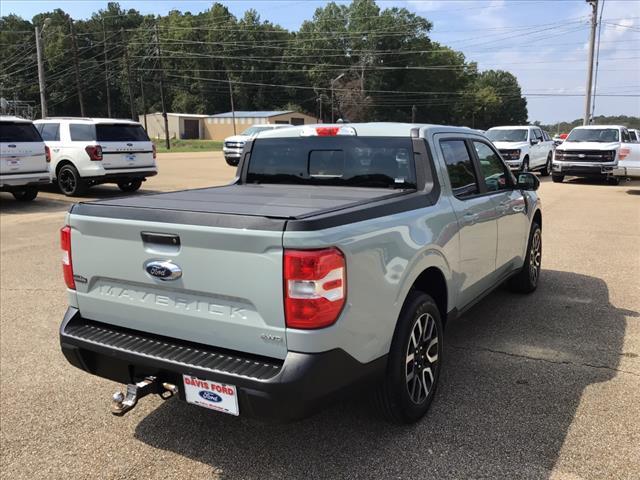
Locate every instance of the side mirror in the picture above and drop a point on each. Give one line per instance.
(534, 141)
(528, 181)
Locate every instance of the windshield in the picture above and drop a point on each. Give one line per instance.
(18, 132)
(120, 132)
(500, 135)
(251, 131)
(380, 162)
(602, 135)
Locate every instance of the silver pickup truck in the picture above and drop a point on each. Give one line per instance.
(332, 263)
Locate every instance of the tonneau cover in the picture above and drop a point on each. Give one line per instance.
(272, 201)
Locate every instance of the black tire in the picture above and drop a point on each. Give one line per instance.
(70, 182)
(526, 280)
(546, 171)
(26, 195)
(525, 165)
(404, 397)
(130, 186)
(557, 178)
(613, 180)
(232, 162)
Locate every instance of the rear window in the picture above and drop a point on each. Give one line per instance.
(18, 132)
(380, 162)
(121, 133)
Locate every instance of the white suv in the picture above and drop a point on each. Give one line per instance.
(91, 151)
(524, 148)
(24, 159)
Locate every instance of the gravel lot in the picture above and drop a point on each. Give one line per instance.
(539, 386)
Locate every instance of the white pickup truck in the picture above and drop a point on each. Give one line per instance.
(602, 151)
(524, 148)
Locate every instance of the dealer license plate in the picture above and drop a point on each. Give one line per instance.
(130, 158)
(216, 396)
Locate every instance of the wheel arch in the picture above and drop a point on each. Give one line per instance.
(537, 217)
(61, 163)
(432, 281)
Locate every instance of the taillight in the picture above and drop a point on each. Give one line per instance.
(47, 154)
(315, 287)
(623, 153)
(331, 131)
(67, 265)
(94, 152)
(153, 148)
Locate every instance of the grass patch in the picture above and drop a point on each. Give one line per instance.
(188, 145)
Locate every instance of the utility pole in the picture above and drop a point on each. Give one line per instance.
(164, 107)
(43, 96)
(106, 70)
(129, 81)
(144, 104)
(233, 110)
(319, 100)
(592, 42)
(414, 110)
(333, 81)
(76, 66)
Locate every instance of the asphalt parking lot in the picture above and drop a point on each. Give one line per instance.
(538, 386)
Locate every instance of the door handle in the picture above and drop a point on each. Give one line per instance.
(469, 218)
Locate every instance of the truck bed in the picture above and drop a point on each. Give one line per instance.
(241, 205)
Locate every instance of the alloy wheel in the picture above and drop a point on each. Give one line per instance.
(535, 255)
(422, 358)
(67, 181)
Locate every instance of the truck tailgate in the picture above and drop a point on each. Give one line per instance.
(229, 294)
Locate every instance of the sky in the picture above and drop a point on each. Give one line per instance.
(543, 42)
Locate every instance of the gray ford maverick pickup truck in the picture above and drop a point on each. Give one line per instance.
(332, 263)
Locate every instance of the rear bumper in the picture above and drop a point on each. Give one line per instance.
(584, 169)
(122, 175)
(32, 179)
(281, 390)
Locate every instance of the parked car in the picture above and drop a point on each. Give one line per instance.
(629, 167)
(24, 158)
(524, 148)
(331, 263)
(92, 151)
(595, 151)
(233, 145)
(634, 135)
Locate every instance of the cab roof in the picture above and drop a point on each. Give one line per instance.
(13, 118)
(514, 127)
(590, 127)
(92, 120)
(372, 129)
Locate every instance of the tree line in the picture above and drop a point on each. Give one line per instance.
(376, 64)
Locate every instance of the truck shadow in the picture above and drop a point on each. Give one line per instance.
(516, 368)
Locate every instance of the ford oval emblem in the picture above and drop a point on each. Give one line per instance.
(210, 396)
(163, 270)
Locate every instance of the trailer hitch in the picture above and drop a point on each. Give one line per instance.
(122, 403)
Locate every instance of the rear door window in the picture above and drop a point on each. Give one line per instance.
(460, 168)
(18, 132)
(82, 132)
(374, 162)
(121, 132)
(50, 132)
